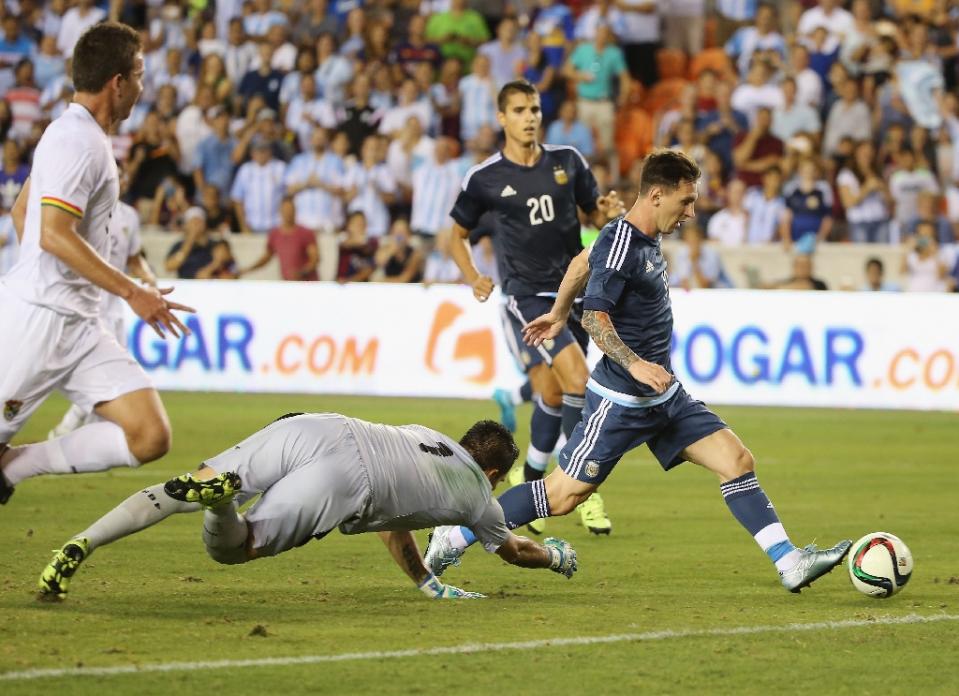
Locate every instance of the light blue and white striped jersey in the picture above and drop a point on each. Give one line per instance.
(435, 188)
(332, 76)
(239, 60)
(478, 106)
(316, 208)
(260, 190)
(301, 115)
(740, 10)
(185, 86)
(591, 18)
(258, 24)
(9, 246)
(368, 184)
(747, 41)
(765, 216)
(290, 87)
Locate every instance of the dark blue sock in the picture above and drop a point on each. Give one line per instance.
(526, 391)
(524, 503)
(750, 505)
(572, 412)
(544, 427)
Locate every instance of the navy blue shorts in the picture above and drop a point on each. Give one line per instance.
(517, 311)
(609, 430)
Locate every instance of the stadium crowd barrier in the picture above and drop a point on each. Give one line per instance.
(782, 348)
(840, 265)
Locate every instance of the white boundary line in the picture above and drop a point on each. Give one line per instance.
(470, 648)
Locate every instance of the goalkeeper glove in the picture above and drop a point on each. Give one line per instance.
(562, 557)
(434, 589)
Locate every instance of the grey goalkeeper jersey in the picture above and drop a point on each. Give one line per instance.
(420, 478)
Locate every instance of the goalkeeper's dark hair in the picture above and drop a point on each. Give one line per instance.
(491, 445)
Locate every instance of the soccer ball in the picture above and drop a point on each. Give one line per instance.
(880, 564)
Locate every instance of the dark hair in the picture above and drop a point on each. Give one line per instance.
(103, 52)
(491, 445)
(514, 87)
(667, 169)
(874, 261)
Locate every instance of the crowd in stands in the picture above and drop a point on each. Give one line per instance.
(812, 121)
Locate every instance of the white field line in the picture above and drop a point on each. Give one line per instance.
(470, 648)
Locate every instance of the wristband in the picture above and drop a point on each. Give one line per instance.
(555, 557)
(431, 587)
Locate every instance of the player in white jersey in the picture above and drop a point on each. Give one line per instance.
(322, 471)
(50, 300)
(125, 252)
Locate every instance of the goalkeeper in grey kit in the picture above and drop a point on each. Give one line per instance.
(323, 471)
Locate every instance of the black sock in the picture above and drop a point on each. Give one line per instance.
(572, 412)
(531, 473)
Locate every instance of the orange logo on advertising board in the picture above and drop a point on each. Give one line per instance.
(475, 345)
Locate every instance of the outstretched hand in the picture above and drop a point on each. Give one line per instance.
(151, 306)
(562, 557)
(543, 328)
(611, 205)
(450, 592)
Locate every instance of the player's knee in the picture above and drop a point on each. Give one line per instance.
(150, 442)
(552, 397)
(745, 462)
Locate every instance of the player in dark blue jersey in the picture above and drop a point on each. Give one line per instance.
(533, 194)
(633, 397)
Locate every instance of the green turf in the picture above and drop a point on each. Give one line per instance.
(676, 561)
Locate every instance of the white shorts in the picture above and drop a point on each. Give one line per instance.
(309, 472)
(42, 351)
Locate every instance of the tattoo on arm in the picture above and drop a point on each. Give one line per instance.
(601, 330)
(413, 561)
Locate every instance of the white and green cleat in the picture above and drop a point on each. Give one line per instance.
(55, 578)
(592, 513)
(212, 492)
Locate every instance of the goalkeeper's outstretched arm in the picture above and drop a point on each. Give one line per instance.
(406, 553)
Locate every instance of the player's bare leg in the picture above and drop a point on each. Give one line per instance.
(723, 453)
(572, 373)
(134, 430)
(144, 421)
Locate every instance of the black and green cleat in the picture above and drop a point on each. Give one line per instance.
(52, 586)
(210, 493)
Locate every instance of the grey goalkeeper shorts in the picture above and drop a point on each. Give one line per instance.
(309, 476)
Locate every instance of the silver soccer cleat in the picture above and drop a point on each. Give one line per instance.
(813, 564)
(440, 553)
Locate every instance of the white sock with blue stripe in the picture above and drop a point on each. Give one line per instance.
(750, 505)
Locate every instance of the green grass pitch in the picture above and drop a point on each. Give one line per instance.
(676, 562)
